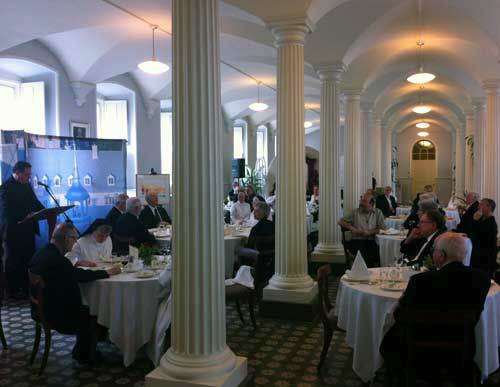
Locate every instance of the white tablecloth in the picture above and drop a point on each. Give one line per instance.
(395, 223)
(365, 313)
(451, 224)
(389, 246)
(453, 214)
(403, 210)
(127, 306)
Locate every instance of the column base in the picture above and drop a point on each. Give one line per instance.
(332, 254)
(298, 305)
(157, 378)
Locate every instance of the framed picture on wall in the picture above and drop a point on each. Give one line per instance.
(159, 184)
(79, 129)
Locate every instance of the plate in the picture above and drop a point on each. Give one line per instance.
(356, 281)
(111, 259)
(398, 287)
(145, 274)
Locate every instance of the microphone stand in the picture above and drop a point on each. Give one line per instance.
(68, 220)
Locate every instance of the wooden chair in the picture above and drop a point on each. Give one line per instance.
(239, 293)
(327, 317)
(349, 256)
(459, 343)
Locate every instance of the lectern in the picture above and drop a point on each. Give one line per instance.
(47, 213)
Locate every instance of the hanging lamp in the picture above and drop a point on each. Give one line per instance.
(258, 106)
(153, 66)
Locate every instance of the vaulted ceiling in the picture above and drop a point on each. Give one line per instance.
(375, 39)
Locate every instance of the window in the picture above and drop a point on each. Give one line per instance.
(57, 181)
(70, 180)
(87, 180)
(34, 181)
(45, 179)
(22, 106)
(111, 180)
(262, 146)
(239, 142)
(166, 144)
(424, 150)
(112, 119)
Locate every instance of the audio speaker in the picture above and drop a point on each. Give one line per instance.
(238, 168)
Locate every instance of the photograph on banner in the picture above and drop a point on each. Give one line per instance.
(159, 184)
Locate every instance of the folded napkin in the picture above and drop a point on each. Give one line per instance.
(359, 270)
(390, 231)
(243, 277)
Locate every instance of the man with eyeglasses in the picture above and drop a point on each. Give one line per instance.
(420, 241)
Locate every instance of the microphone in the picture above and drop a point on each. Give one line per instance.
(43, 185)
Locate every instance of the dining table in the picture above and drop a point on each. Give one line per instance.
(365, 312)
(395, 222)
(403, 210)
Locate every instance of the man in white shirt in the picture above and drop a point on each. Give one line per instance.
(240, 211)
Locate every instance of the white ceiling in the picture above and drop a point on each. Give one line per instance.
(375, 39)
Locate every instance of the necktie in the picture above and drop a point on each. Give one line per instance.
(157, 215)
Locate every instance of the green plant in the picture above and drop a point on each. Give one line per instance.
(253, 178)
(146, 253)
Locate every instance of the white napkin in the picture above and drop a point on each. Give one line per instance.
(359, 270)
(243, 277)
(390, 231)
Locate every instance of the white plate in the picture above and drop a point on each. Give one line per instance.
(359, 281)
(112, 259)
(145, 274)
(396, 288)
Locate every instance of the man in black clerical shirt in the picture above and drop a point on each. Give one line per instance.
(117, 210)
(129, 228)
(264, 227)
(152, 214)
(467, 219)
(17, 201)
(63, 304)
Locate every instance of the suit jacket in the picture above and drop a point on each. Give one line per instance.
(453, 287)
(62, 292)
(16, 202)
(128, 226)
(467, 219)
(410, 250)
(383, 205)
(112, 217)
(263, 227)
(150, 220)
(484, 244)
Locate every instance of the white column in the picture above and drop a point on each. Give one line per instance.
(386, 157)
(460, 161)
(199, 354)
(271, 140)
(290, 283)
(469, 160)
(376, 144)
(490, 140)
(353, 187)
(329, 247)
(367, 147)
(479, 128)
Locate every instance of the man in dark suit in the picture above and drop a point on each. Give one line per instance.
(117, 210)
(17, 200)
(152, 214)
(453, 286)
(387, 203)
(418, 245)
(264, 227)
(129, 228)
(467, 219)
(63, 304)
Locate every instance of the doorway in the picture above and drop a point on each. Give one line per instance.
(423, 166)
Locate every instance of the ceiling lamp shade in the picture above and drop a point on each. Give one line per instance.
(153, 66)
(425, 143)
(423, 133)
(308, 124)
(258, 106)
(422, 125)
(421, 109)
(421, 78)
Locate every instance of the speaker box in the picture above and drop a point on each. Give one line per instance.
(238, 168)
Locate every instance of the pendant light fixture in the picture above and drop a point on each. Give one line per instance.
(153, 66)
(421, 108)
(425, 143)
(307, 124)
(258, 106)
(423, 133)
(422, 125)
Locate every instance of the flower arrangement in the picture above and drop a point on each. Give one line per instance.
(146, 253)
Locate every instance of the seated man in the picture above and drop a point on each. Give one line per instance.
(364, 223)
(387, 203)
(453, 286)
(63, 304)
(466, 220)
(129, 228)
(240, 210)
(117, 210)
(423, 205)
(152, 214)
(233, 194)
(264, 226)
(419, 242)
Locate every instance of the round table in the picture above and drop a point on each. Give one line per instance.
(365, 313)
(403, 210)
(127, 306)
(453, 214)
(389, 246)
(394, 222)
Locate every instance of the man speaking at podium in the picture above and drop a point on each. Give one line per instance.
(17, 200)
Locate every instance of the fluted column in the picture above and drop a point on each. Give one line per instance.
(386, 156)
(271, 140)
(460, 161)
(469, 159)
(490, 140)
(329, 245)
(353, 185)
(479, 128)
(291, 244)
(251, 142)
(367, 150)
(199, 352)
(376, 144)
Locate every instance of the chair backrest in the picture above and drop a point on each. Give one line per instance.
(324, 301)
(37, 298)
(349, 256)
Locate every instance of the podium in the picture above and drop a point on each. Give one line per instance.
(50, 214)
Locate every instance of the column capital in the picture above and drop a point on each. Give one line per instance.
(491, 86)
(469, 115)
(478, 103)
(352, 94)
(289, 30)
(366, 106)
(331, 71)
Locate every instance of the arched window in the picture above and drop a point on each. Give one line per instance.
(45, 179)
(57, 181)
(70, 180)
(240, 140)
(111, 180)
(87, 180)
(423, 150)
